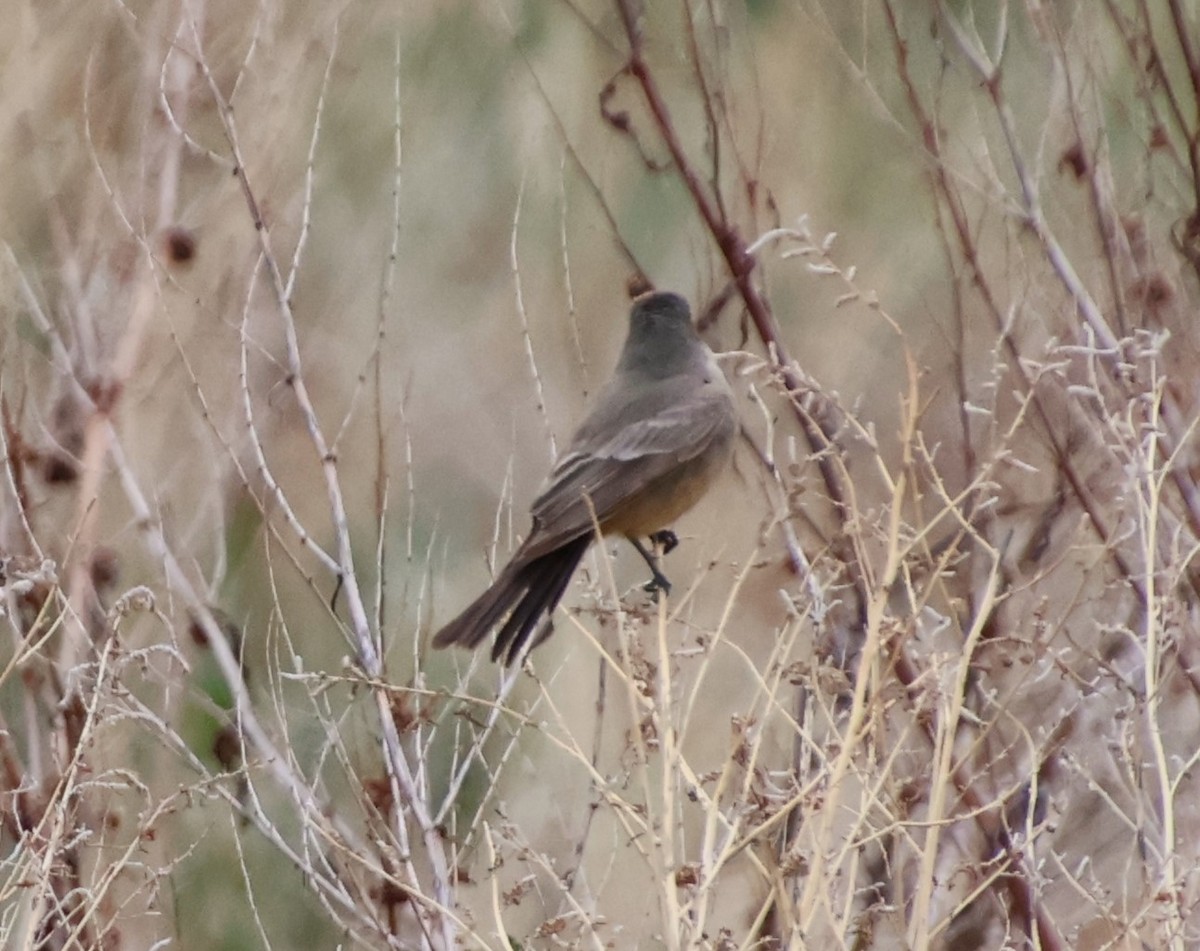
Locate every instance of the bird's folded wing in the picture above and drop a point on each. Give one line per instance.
(608, 469)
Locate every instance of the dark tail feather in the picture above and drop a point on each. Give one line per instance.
(548, 578)
(527, 591)
(482, 614)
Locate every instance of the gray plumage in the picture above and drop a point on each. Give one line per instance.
(660, 431)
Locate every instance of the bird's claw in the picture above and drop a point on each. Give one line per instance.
(658, 583)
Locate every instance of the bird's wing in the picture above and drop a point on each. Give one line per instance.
(607, 466)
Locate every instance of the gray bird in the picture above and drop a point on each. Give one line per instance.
(659, 434)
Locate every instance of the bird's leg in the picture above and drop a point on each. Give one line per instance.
(658, 581)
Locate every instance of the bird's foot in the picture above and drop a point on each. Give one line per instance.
(658, 582)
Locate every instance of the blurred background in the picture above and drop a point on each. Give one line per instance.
(447, 205)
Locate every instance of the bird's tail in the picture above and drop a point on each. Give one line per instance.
(523, 592)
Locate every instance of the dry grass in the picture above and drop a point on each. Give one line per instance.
(300, 301)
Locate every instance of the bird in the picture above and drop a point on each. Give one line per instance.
(658, 435)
